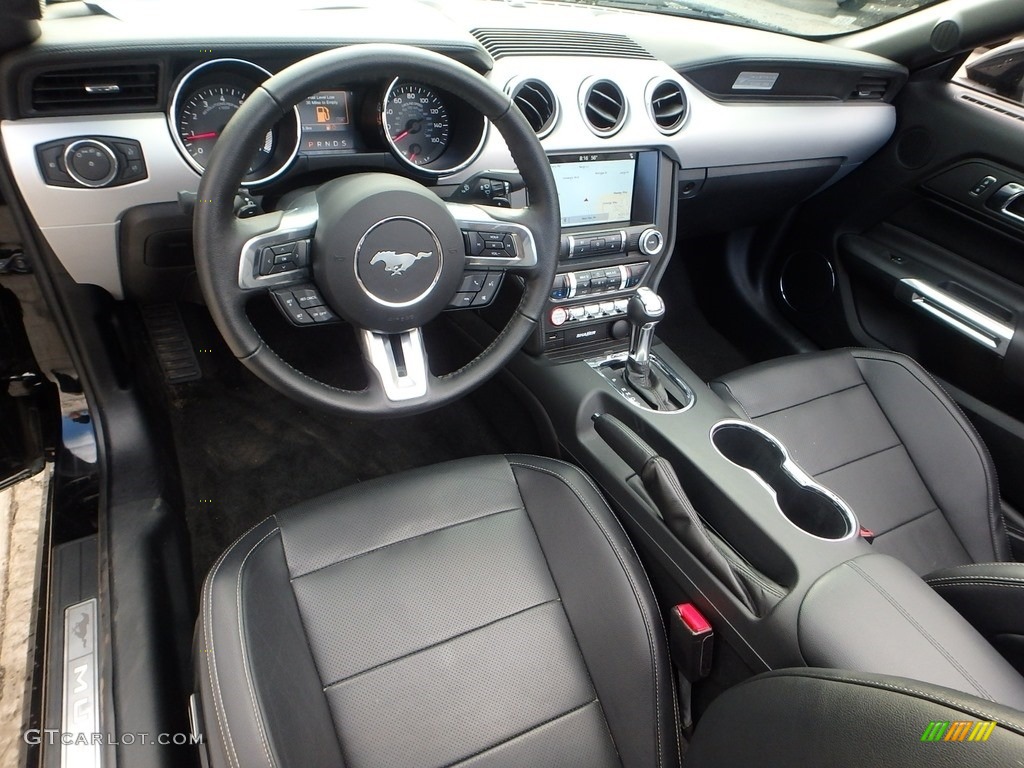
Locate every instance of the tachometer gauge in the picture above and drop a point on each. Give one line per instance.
(415, 122)
(206, 97)
(203, 115)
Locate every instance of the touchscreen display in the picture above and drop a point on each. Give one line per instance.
(326, 124)
(595, 189)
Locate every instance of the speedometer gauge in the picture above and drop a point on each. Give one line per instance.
(415, 122)
(202, 117)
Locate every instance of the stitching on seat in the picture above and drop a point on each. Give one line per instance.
(860, 458)
(218, 701)
(736, 399)
(397, 659)
(629, 578)
(976, 581)
(245, 658)
(924, 633)
(501, 743)
(914, 519)
(809, 400)
(933, 697)
(402, 541)
(991, 481)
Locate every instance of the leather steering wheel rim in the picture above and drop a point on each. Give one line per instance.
(219, 235)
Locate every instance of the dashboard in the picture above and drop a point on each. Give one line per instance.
(642, 116)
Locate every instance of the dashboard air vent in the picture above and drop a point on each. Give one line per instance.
(604, 107)
(536, 101)
(870, 88)
(113, 87)
(668, 106)
(558, 42)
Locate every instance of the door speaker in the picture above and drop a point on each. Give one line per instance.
(807, 282)
(914, 148)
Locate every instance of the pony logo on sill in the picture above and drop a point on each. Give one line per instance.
(960, 730)
(397, 263)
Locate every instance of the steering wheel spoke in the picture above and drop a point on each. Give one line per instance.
(276, 248)
(497, 238)
(397, 363)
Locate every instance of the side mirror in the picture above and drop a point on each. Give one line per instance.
(1001, 69)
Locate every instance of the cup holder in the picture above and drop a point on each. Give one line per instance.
(807, 505)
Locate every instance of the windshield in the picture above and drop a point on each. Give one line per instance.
(806, 18)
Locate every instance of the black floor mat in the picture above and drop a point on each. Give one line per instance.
(688, 333)
(245, 451)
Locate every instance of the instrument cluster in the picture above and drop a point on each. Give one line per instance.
(426, 129)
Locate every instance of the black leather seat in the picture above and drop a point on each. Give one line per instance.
(491, 613)
(878, 430)
(486, 612)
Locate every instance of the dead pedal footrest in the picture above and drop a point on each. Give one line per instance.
(171, 342)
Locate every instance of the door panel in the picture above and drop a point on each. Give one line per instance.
(927, 244)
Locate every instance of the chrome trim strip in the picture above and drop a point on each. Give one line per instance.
(976, 325)
(796, 472)
(381, 358)
(80, 701)
(598, 363)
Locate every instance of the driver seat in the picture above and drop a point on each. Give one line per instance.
(489, 611)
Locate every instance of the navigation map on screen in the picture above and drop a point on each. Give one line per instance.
(595, 191)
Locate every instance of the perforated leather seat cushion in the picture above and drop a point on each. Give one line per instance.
(486, 612)
(878, 430)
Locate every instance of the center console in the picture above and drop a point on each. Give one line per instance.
(725, 519)
(617, 222)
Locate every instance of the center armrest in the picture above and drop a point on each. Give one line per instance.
(874, 614)
(991, 597)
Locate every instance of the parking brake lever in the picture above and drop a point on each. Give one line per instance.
(662, 484)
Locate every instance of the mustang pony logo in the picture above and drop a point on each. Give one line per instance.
(397, 263)
(80, 629)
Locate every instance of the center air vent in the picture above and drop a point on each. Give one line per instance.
(667, 105)
(97, 88)
(604, 107)
(536, 101)
(870, 88)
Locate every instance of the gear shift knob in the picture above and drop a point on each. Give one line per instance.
(644, 311)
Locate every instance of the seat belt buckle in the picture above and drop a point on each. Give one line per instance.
(691, 641)
(867, 534)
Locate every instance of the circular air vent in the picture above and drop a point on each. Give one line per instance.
(538, 104)
(666, 103)
(604, 106)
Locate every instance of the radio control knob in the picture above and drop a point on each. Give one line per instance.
(651, 242)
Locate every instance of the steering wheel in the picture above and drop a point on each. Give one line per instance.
(353, 239)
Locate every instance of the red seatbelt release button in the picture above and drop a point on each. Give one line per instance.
(867, 534)
(691, 641)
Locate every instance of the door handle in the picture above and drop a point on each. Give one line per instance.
(980, 327)
(1003, 199)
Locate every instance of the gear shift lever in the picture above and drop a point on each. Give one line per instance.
(644, 311)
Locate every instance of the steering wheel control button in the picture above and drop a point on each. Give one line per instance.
(303, 305)
(473, 282)
(321, 314)
(462, 301)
